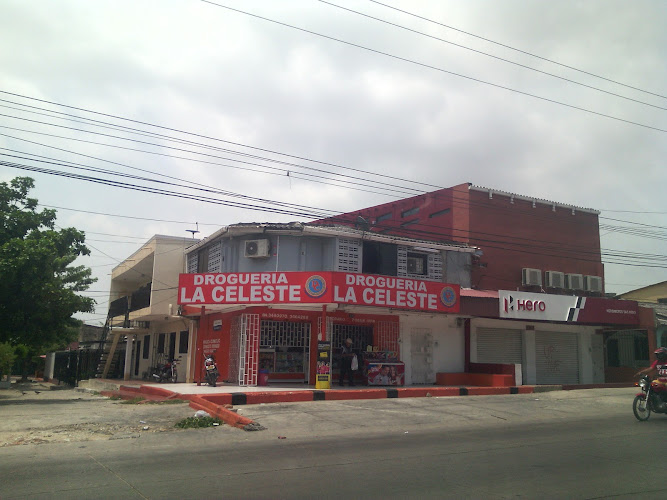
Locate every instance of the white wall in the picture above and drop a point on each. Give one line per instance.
(448, 343)
(167, 327)
(168, 264)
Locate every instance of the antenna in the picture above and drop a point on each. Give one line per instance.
(193, 231)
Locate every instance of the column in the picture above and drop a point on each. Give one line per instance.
(128, 357)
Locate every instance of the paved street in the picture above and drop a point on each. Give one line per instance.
(563, 444)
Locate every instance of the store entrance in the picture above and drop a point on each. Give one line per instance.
(361, 335)
(284, 349)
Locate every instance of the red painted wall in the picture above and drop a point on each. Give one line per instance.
(512, 233)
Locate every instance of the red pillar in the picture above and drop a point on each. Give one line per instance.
(199, 352)
(466, 329)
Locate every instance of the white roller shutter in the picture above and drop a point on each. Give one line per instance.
(497, 345)
(557, 358)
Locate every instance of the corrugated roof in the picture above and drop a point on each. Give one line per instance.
(533, 199)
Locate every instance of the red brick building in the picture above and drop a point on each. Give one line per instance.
(526, 243)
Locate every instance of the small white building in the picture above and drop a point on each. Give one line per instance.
(143, 325)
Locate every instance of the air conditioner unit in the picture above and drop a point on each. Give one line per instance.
(256, 248)
(531, 276)
(555, 279)
(574, 281)
(593, 283)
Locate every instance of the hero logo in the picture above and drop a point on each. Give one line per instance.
(524, 305)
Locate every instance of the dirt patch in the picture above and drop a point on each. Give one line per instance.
(37, 412)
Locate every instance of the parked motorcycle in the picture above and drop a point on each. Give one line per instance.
(211, 370)
(653, 398)
(166, 372)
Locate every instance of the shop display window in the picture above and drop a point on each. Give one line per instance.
(284, 347)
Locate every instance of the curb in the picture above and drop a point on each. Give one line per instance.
(214, 408)
(241, 398)
(227, 416)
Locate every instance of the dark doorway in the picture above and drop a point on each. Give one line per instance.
(172, 345)
(137, 350)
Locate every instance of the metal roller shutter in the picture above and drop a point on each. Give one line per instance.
(497, 345)
(557, 358)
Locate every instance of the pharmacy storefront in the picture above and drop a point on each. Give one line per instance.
(271, 324)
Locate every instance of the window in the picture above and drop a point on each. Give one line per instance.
(641, 347)
(202, 262)
(147, 345)
(160, 343)
(409, 212)
(417, 264)
(410, 223)
(183, 341)
(439, 212)
(172, 345)
(380, 258)
(383, 217)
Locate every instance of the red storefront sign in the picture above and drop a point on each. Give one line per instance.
(323, 287)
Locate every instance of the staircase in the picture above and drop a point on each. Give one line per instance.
(112, 360)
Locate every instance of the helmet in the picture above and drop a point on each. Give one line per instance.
(661, 353)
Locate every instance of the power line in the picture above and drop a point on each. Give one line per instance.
(209, 138)
(343, 218)
(489, 242)
(120, 164)
(282, 170)
(79, 166)
(442, 70)
(518, 50)
(491, 55)
(316, 215)
(152, 190)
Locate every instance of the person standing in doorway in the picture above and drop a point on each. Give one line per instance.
(346, 355)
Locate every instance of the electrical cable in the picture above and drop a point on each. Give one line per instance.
(491, 55)
(517, 50)
(442, 70)
(207, 137)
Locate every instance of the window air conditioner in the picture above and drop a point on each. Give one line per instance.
(555, 279)
(593, 283)
(256, 248)
(574, 281)
(531, 276)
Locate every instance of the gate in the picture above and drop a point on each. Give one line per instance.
(244, 350)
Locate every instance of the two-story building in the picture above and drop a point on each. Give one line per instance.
(143, 328)
(264, 295)
(527, 244)
(530, 245)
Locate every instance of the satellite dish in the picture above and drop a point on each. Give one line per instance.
(193, 231)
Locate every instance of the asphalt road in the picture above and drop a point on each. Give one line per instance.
(577, 444)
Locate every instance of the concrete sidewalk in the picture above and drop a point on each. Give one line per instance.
(288, 392)
(219, 401)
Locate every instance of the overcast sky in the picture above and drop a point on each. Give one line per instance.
(355, 95)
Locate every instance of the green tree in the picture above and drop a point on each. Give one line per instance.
(7, 358)
(39, 286)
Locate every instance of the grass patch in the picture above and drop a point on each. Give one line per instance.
(196, 422)
(132, 401)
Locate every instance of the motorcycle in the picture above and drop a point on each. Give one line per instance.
(211, 370)
(653, 398)
(166, 371)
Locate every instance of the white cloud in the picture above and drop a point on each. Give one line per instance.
(200, 68)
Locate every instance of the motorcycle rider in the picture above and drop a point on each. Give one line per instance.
(660, 364)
